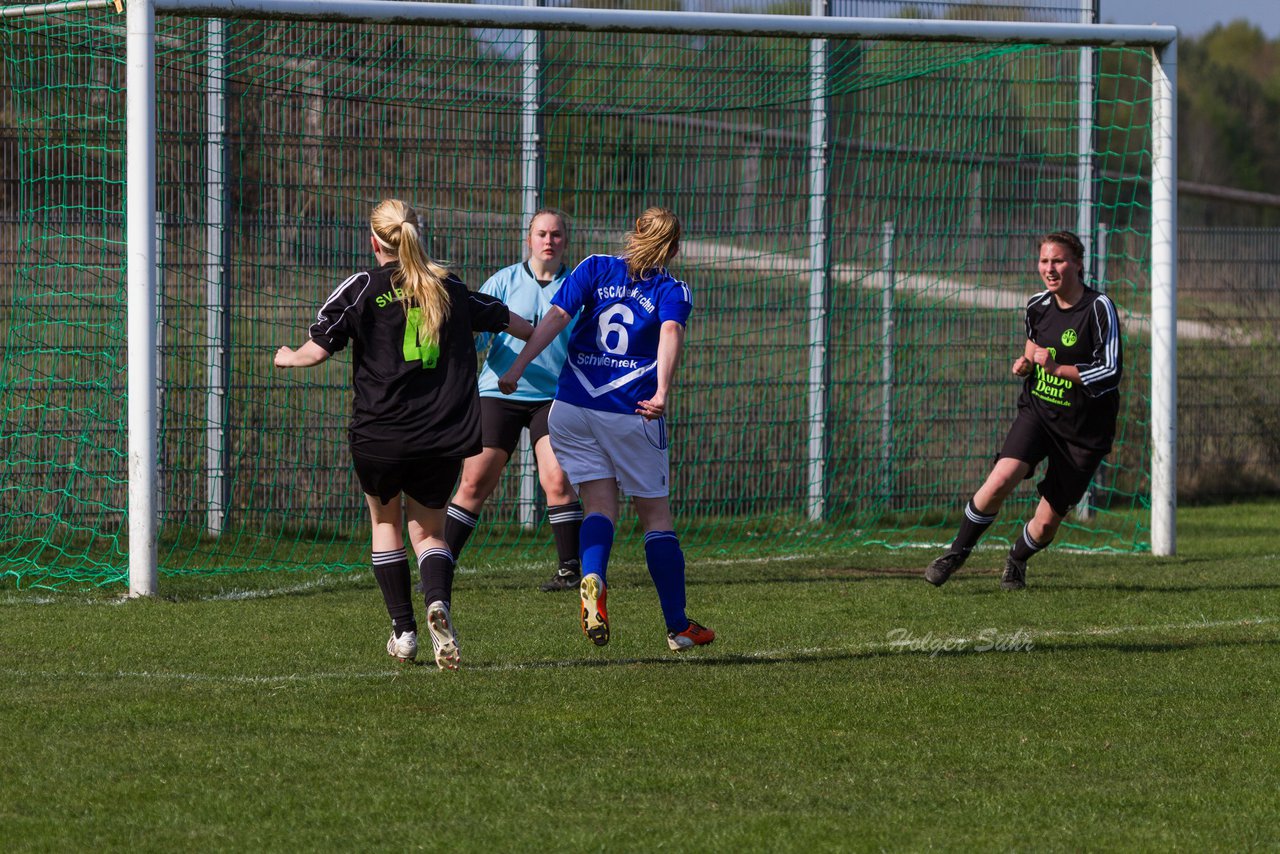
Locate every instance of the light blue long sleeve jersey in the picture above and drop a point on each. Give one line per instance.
(525, 296)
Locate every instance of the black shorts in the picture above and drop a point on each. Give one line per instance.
(1070, 468)
(502, 420)
(428, 481)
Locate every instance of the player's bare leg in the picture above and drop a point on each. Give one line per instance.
(391, 570)
(979, 513)
(1036, 535)
(565, 514)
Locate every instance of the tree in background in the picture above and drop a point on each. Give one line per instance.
(1229, 115)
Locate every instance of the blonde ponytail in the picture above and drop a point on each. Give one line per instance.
(654, 242)
(396, 227)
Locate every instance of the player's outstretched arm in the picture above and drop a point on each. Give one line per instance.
(305, 356)
(518, 327)
(544, 333)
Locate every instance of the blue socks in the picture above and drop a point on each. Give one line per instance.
(595, 541)
(666, 567)
(662, 555)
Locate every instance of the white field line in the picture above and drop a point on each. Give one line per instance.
(225, 596)
(328, 582)
(322, 583)
(955, 644)
(240, 595)
(332, 581)
(958, 643)
(736, 258)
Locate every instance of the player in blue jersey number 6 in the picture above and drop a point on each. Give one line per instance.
(414, 412)
(608, 425)
(1066, 412)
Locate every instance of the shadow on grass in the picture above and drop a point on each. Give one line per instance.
(1129, 587)
(824, 576)
(970, 582)
(880, 651)
(635, 578)
(989, 585)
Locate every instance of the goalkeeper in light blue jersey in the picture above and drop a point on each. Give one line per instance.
(608, 424)
(527, 288)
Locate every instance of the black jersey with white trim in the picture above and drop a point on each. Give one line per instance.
(408, 401)
(1087, 336)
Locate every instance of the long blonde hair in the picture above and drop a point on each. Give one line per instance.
(653, 243)
(396, 227)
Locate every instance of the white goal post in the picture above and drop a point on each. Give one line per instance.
(141, 181)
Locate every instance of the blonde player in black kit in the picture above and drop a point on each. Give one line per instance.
(415, 414)
(1066, 412)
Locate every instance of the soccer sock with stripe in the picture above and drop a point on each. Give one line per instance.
(566, 524)
(1025, 546)
(596, 538)
(391, 569)
(436, 566)
(665, 560)
(459, 522)
(972, 527)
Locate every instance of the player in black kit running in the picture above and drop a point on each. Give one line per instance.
(1066, 412)
(415, 414)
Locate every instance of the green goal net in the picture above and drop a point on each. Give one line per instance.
(833, 398)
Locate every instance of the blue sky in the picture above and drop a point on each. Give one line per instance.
(1194, 17)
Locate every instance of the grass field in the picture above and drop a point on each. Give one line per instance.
(1120, 702)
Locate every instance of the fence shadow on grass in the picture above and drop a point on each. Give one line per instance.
(1129, 587)
(882, 649)
(1047, 583)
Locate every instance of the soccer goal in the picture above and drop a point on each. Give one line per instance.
(861, 199)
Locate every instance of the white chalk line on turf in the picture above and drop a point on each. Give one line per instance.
(782, 654)
(964, 642)
(957, 642)
(266, 593)
(224, 596)
(332, 581)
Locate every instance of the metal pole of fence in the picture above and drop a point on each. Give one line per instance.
(1085, 183)
(1084, 139)
(1100, 256)
(140, 213)
(216, 285)
(1087, 503)
(531, 181)
(818, 276)
(161, 491)
(888, 255)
